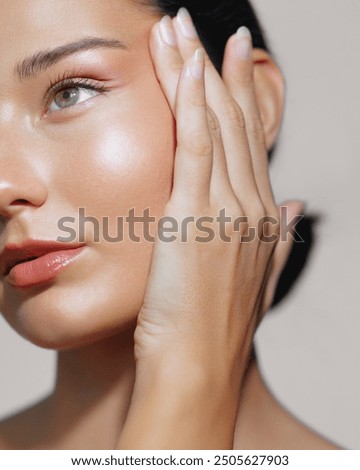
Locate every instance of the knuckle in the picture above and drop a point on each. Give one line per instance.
(234, 114)
(257, 212)
(244, 226)
(233, 207)
(200, 144)
(245, 78)
(175, 68)
(256, 130)
(271, 225)
(276, 230)
(273, 212)
(197, 100)
(273, 216)
(213, 121)
(275, 226)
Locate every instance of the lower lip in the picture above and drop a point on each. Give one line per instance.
(42, 269)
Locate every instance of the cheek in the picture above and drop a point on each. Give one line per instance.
(129, 165)
(124, 160)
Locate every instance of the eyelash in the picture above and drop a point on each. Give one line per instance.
(67, 80)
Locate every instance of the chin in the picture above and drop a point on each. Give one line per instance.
(58, 320)
(70, 335)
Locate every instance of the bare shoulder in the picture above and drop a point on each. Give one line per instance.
(281, 430)
(3, 442)
(21, 430)
(263, 422)
(296, 435)
(301, 437)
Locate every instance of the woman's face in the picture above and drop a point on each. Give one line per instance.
(79, 148)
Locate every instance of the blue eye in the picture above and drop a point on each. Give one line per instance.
(70, 92)
(70, 97)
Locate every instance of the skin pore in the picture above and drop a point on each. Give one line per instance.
(107, 154)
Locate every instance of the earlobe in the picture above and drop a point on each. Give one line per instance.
(270, 92)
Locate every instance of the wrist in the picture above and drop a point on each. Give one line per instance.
(178, 404)
(187, 373)
(179, 416)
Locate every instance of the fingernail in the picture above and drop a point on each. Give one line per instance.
(167, 31)
(197, 64)
(244, 43)
(186, 24)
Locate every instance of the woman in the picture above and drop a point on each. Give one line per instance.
(105, 109)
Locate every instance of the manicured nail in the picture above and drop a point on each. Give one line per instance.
(244, 43)
(186, 24)
(167, 31)
(197, 64)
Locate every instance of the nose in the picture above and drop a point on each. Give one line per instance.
(14, 196)
(21, 184)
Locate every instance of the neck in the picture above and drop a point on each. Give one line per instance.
(93, 392)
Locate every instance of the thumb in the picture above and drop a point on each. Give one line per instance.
(292, 211)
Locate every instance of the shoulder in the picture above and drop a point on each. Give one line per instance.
(21, 430)
(281, 430)
(8, 428)
(12, 431)
(294, 434)
(265, 423)
(304, 438)
(3, 443)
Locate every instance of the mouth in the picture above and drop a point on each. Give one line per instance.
(36, 261)
(15, 263)
(42, 269)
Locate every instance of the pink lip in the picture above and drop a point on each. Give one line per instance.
(42, 269)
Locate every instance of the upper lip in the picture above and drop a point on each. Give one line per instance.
(14, 253)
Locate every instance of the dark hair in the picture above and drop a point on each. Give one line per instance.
(216, 21)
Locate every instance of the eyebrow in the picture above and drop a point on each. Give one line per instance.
(43, 59)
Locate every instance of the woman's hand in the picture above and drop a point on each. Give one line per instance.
(204, 298)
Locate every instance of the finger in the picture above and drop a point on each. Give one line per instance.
(167, 60)
(237, 152)
(220, 187)
(168, 65)
(238, 74)
(194, 154)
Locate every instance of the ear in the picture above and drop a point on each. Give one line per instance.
(270, 91)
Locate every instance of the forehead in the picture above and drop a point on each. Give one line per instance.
(45, 23)
(30, 26)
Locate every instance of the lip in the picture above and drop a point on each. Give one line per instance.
(49, 258)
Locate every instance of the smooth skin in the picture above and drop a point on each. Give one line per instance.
(110, 388)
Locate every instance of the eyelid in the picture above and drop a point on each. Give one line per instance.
(72, 82)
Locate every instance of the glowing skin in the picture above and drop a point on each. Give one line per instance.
(107, 155)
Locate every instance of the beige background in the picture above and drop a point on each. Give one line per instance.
(308, 346)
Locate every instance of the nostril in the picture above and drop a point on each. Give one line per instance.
(19, 202)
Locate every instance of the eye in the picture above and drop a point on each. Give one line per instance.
(71, 92)
(70, 97)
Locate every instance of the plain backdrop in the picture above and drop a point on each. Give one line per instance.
(308, 347)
